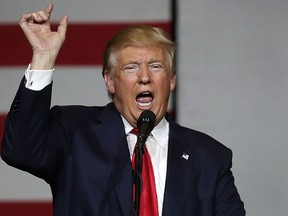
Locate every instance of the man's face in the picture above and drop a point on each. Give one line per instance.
(140, 81)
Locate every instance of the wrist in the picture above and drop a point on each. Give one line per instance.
(43, 61)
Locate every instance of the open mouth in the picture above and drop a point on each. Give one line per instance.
(145, 99)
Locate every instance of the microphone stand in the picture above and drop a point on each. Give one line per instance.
(137, 173)
(145, 124)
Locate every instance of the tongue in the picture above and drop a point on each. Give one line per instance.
(146, 99)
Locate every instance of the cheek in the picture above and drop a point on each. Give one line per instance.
(122, 88)
(125, 84)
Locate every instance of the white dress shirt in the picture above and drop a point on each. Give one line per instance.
(157, 142)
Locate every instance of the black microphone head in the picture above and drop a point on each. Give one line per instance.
(147, 119)
(145, 125)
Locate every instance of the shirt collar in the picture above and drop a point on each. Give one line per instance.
(160, 131)
(127, 126)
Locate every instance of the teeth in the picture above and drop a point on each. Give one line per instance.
(144, 104)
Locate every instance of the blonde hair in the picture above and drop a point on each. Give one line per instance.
(140, 35)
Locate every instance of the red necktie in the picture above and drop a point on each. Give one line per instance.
(148, 197)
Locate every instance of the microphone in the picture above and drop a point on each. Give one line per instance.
(145, 125)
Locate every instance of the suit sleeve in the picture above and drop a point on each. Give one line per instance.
(25, 142)
(227, 201)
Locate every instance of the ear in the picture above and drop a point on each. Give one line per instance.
(109, 82)
(172, 82)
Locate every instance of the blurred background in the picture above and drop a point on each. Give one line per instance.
(232, 63)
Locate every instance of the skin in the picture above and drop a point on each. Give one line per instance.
(140, 70)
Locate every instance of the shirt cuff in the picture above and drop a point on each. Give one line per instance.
(38, 79)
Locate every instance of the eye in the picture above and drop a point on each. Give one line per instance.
(131, 68)
(156, 66)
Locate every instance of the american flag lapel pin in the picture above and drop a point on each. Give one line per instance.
(185, 156)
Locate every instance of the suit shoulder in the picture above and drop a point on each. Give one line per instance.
(72, 109)
(76, 112)
(198, 140)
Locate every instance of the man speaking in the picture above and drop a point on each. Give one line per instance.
(86, 154)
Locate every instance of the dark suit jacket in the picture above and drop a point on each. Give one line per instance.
(83, 154)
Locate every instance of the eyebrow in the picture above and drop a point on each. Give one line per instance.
(149, 62)
(155, 61)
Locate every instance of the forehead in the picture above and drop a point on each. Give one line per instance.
(141, 53)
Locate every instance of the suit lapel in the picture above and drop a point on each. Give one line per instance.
(179, 175)
(112, 138)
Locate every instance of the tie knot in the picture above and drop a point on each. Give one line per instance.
(134, 131)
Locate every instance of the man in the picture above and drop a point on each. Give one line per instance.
(85, 153)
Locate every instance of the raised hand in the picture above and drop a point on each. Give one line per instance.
(45, 43)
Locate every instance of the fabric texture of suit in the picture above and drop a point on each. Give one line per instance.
(82, 153)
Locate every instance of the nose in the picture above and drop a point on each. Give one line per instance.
(145, 75)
